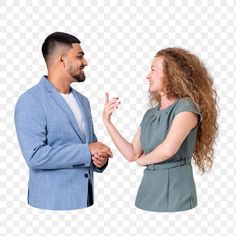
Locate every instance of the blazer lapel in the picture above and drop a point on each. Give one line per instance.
(84, 114)
(63, 105)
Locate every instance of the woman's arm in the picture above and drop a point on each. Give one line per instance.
(182, 124)
(130, 151)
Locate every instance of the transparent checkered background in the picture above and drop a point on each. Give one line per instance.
(120, 39)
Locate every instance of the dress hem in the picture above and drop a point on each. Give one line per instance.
(168, 210)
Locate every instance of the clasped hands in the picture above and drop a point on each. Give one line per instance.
(99, 153)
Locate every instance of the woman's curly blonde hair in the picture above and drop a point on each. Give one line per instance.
(186, 76)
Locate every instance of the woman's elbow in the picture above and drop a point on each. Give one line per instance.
(130, 159)
(130, 156)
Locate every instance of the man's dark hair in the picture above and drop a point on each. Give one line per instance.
(56, 39)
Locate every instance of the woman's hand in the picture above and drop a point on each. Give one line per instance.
(109, 107)
(139, 160)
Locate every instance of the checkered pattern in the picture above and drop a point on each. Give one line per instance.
(120, 39)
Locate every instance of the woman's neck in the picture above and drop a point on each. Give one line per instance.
(165, 102)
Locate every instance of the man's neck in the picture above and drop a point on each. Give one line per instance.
(60, 83)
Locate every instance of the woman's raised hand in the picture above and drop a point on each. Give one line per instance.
(109, 107)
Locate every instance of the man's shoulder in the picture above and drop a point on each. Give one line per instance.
(31, 93)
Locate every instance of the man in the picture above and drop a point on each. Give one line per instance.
(55, 131)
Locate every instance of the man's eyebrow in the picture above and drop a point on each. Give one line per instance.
(80, 53)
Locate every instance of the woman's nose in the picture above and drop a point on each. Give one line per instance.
(148, 76)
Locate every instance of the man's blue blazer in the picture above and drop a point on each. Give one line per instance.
(54, 148)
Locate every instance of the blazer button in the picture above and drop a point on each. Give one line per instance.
(86, 175)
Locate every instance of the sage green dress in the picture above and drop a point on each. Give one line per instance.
(168, 186)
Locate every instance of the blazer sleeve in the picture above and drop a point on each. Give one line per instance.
(31, 128)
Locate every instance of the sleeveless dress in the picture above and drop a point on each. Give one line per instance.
(169, 185)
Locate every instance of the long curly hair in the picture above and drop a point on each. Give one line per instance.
(186, 76)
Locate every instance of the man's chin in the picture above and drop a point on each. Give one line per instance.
(79, 78)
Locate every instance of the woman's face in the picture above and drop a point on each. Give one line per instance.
(156, 75)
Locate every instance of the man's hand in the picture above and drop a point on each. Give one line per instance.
(100, 153)
(100, 159)
(99, 147)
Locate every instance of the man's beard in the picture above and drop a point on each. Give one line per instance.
(79, 78)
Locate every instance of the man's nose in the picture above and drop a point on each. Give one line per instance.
(85, 62)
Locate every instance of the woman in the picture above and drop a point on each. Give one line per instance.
(182, 125)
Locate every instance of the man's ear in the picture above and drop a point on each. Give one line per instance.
(61, 60)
